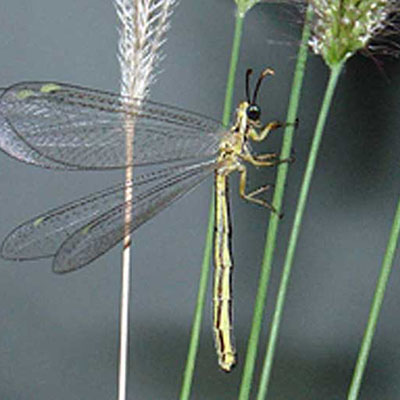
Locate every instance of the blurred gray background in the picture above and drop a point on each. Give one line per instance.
(58, 334)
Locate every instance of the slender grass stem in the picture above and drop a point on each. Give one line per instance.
(375, 307)
(197, 318)
(123, 356)
(237, 36)
(124, 325)
(301, 203)
(274, 219)
(201, 296)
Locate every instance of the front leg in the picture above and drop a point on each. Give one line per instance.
(260, 136)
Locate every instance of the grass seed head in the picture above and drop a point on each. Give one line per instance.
(343, 27)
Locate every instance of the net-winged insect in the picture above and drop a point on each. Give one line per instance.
(62, 126)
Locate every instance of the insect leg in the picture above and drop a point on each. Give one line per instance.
(252, 195)
(266, 156)
(260, 136)
(264, 160)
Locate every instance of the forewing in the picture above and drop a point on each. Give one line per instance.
(81, 231)
(86, 128)
(13, 146)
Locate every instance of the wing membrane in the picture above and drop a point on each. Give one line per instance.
(86, 128)
(80, 231)
(13, 146)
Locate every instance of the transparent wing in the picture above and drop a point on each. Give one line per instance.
(80, 231)
(86, 128)
(13, 146)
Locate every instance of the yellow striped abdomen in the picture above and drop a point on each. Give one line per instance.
(223, 267)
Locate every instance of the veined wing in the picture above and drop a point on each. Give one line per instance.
(13, 146)
(86, 128)
(80, 231)
(16, 148)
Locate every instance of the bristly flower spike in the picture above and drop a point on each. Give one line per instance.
(343, 27)
(143, 25)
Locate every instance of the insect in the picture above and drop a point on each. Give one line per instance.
(61, 126)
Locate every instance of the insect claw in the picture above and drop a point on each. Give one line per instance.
(295, 124)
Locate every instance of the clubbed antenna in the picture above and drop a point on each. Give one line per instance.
(143, 24)
(267, 71)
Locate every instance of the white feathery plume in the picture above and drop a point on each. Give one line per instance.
(143, 25)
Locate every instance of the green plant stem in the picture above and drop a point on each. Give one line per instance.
(280, 187)
(301, 203)
(237, 36)
(205, 269)
(274, 219)
(375, 307)
(198, 316)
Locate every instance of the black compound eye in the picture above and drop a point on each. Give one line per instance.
(253, 112)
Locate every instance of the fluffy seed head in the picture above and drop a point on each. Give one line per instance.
(143, 25)
(342, 27)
